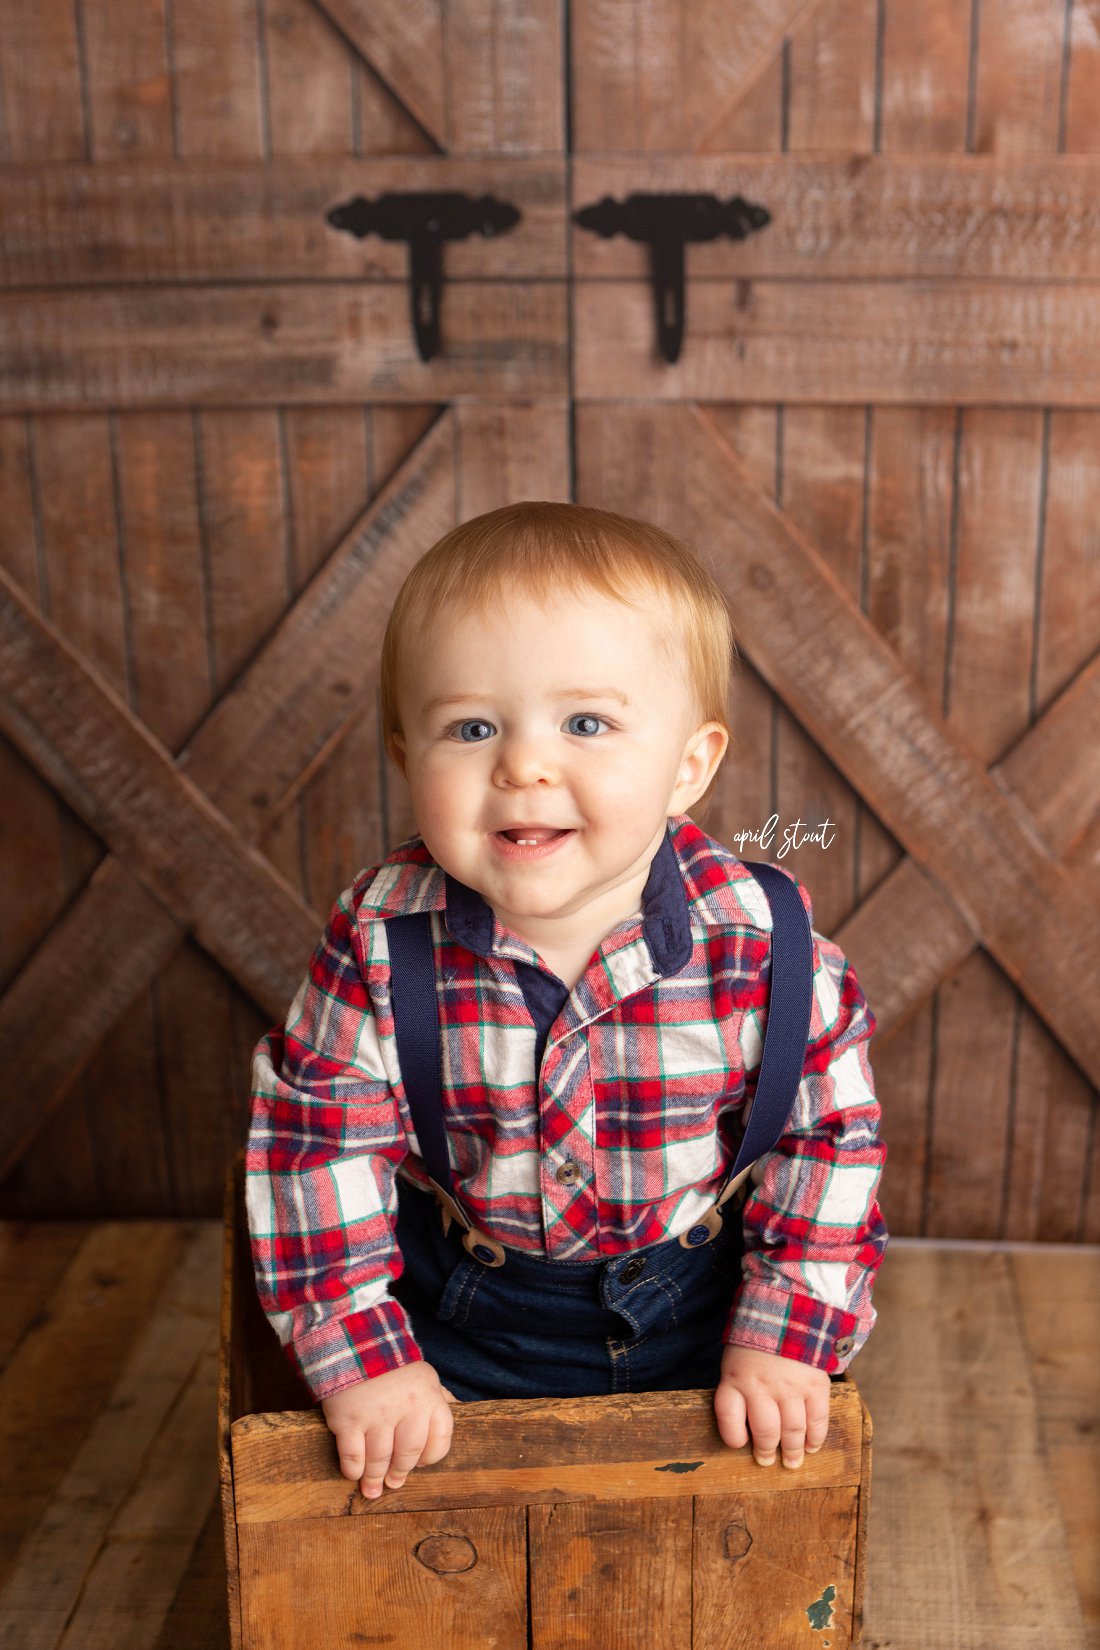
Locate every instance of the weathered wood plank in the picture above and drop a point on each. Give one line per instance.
(203, 220)
(787, 1560)
(253, 345)
(831, 78)
(986, 700)
(858, 216)
(310, 101)
(873, 720)
(145, 1464)
(965, 1545)
(78, 732)
(285, 1465)
(130, 1585)
(288, 710)
(1063, 1344)
(1082, 114)
(67, 1363)
(934, 341)
(850, 215)
(128, 95)
(670, 75)
(474, 83)
(1018, 76)
(217, 80)
(924, 91)
(197, 1614)
(34, 1256)
(505, 74)
(402, 40)
(40, 74)
(822, 457)
(623, 1567)
(452, 1587)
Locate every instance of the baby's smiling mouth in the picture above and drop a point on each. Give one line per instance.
(532, 835)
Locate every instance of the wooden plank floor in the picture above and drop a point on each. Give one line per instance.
(981, 1377)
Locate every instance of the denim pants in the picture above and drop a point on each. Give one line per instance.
(646, 1321)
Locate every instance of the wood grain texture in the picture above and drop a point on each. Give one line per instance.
(855, 215)
(665, 76)
(284, 1465)
(933, 341)
(786, 1560)
(966, 1547)
(123, 781)
(204, 221)
(174, 346)
(67, 1363)
(283, 719)
(89, 1552)
(1062, 1339)
(448, 1582)
(403, 44)
(851, 215)
(599, 1571)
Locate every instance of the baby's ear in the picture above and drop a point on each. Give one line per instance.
(395, 750)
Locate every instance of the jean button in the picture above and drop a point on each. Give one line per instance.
(697, 1235)
(633, 1269)
(482, 1252)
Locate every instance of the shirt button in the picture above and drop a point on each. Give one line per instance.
(567, 1174)
(632, 1269)
(844, 1345)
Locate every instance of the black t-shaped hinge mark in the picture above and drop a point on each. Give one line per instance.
(666, 223)
(425, 221)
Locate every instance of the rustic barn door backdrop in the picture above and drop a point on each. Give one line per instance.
(237, 402)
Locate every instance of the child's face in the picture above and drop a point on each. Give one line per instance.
(518, 747)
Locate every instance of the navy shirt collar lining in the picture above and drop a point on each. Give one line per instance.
(666, 921)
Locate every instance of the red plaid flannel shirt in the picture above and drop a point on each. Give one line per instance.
(643, 1072)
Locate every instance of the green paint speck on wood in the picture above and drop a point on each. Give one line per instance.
(820, 1612)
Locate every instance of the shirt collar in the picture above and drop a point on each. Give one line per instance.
(692, 878)
(666, 923)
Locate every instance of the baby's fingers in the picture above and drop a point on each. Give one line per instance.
(793, 1417)
(440, 1432)
(765, 1426)
(351, 1451)
(729, 1412)
(379, 1450)
(817, 1422)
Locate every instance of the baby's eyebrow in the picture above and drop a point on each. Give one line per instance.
(555, 693)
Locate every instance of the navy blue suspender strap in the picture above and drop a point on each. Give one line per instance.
(415, 1006)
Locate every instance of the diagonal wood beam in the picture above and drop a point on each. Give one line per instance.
(72, 725)
(762, 26)
(115, 935)
(877, 725)
(402, 41)
(908, 935)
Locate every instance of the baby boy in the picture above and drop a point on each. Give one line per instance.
(554, 691)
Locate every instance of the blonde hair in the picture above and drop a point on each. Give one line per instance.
(541, 549)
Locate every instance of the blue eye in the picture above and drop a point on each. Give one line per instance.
(586, 716)
(460, 728)
(472, 722)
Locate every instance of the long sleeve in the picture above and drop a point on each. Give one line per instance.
(814, 1233)
(324, 1143)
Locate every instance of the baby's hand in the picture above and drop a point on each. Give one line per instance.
(783, 1399)
(386, 1426)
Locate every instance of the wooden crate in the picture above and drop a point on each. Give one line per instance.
(556, 1524)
